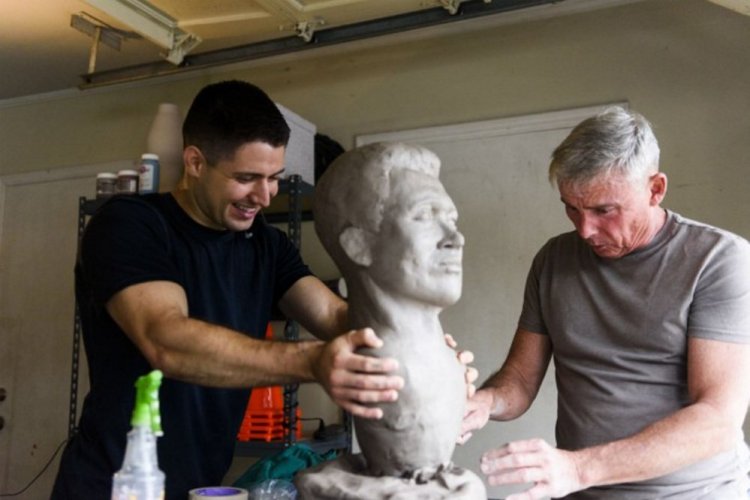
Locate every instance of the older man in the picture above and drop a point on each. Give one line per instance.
(647, 316)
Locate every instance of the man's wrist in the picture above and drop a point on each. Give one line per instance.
(311, 352)
(498, 405)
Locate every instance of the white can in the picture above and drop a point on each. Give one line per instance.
(106, 184)
(127, 182)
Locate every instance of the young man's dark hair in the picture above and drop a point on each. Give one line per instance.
(218, 121)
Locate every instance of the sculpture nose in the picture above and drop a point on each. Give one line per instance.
(453, 239)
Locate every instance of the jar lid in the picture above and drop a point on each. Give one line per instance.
(106, 175)
(127, 172)
(149, 156)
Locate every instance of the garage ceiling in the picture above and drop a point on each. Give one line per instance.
(41, 51)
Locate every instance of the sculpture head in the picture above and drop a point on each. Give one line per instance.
(385, 218)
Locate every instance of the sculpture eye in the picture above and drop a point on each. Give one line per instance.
(423, 213)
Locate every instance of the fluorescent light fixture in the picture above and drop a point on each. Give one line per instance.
(153, 24)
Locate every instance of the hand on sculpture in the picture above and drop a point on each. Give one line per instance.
(465, 358)
(478, 410)
(354, 381)
(553, 472)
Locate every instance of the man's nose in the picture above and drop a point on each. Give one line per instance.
(262, 193)
(586, 226)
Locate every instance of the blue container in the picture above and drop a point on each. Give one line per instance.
(148, 174)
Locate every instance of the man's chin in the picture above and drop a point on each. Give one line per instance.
(606, 252)
(239, 226)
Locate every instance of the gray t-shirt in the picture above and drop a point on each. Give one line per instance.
(619, 331)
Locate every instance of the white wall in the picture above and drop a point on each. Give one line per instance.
(683, 63)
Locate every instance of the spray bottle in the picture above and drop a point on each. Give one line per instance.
(140, 477)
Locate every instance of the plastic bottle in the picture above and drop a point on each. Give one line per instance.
(140, 477)
(148, 170)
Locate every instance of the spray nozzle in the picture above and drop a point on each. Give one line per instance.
(146, 411)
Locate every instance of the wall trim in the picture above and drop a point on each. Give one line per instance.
(535, 122)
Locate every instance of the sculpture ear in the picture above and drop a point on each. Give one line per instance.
(354, 241)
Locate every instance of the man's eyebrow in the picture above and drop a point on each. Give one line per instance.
(258, 174)
(591, 207)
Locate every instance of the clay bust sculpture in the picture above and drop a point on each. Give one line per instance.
(385, 218)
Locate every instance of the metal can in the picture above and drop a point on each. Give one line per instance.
(106, 184)
(127, 182)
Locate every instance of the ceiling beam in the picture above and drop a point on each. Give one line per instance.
(469, 9)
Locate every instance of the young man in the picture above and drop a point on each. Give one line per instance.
(647, 315)
(185, 282)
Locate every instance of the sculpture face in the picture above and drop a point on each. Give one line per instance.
(418, 250)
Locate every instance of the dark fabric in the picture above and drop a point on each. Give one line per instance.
(282, 465)
(326, 150)
(230, 278)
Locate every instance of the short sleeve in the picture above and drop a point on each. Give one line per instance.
(721, 305)
(125, 243)
(531, 314)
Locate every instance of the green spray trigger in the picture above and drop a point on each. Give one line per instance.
(140, 477)
(146, 411)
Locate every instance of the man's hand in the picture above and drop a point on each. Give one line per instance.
(355, 381)
(478, 412)
(471, 375)
(465, 357)
(553, 472)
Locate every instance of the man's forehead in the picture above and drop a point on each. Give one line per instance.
(600, 183)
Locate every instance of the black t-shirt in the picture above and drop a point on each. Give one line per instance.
(230, 278)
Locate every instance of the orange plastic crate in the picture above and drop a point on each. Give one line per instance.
(264, 414)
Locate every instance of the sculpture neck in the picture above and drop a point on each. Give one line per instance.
(389, 315)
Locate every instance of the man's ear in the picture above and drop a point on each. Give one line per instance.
(658, 188)
(354, 241)
(193, 160)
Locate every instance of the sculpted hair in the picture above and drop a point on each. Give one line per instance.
(226, 115)
(614, 141)
(354, 188)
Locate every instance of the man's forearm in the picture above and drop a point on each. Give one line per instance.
(692, 434)
(212, 355)
(507, 398)
(515, 385)
(316, 308)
